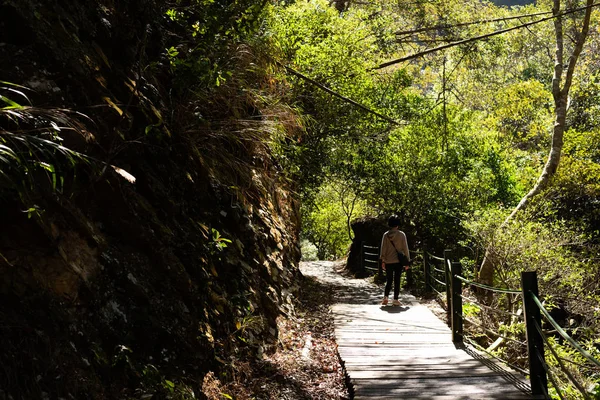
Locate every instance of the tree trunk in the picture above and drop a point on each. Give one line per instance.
(561, 101)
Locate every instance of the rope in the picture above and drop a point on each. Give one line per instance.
(440, 282)
(484, 21)
(475, 344)
(490, 288)
(440, 294)
(562, 366)
(435, 257)
(494, 333)
(439, 270)
(520, 316)
(549, 374)
(564, 334)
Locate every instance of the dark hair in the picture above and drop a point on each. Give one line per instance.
(393, 221)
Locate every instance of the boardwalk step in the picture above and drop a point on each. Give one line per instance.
(486, 387)
(407, 353)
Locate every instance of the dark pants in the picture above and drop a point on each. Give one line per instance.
(393, 273)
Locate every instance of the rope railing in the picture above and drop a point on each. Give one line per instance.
(552, 379)
(438, 281)
(496, 290)
(538, 342)
(369, 257)
(431, 256)
(438, 292)
(443, 273)
(431, 278)
(560, 363)
(564, 334)
(492, 309)
(538, 311)
(490, 288)
(479, 347)
(470, 321)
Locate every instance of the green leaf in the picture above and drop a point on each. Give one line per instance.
(11, 104)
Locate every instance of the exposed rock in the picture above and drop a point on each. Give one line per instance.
(116, 285)
(369, 232)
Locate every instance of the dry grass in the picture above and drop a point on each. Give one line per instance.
(237, 130)
(304, 366)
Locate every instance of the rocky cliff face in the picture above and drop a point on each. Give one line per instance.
(170, 250)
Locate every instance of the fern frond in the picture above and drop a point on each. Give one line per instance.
(31, 147)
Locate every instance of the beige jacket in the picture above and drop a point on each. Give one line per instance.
(389, 254)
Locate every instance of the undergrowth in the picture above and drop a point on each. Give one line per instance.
(294, 371)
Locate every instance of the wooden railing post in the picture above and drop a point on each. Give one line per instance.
(448, 285)
(535, 343)
(457, 315)
(379, 267)
(426, 271)
(362, 256)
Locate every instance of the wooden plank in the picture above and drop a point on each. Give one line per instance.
(475, 387)
(405, 373)
(516, 396)
(407, 353)
(443, 354)
(396, 363)
(377, 336)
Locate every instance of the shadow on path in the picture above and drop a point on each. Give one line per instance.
(346, 289)
(411, 337)
(394, 310)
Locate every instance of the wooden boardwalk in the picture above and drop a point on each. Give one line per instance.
(407, 353)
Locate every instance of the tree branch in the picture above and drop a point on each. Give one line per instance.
(336, 94)
(476, 38)
(581, 37)
(483, 21)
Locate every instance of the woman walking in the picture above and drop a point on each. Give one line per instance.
(394, 258)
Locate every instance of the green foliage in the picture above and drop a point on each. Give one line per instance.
(584, 373)
(205, 32)
(576, 188)
(326, 220)
(470, 310)
(522, 112)
(526, 244)
(476, 121)
(33, 159)
(585, 112)
(439, 167)
(308, 250)
(219, 242)
(434, 180)
(336, 50)
(154, 384)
